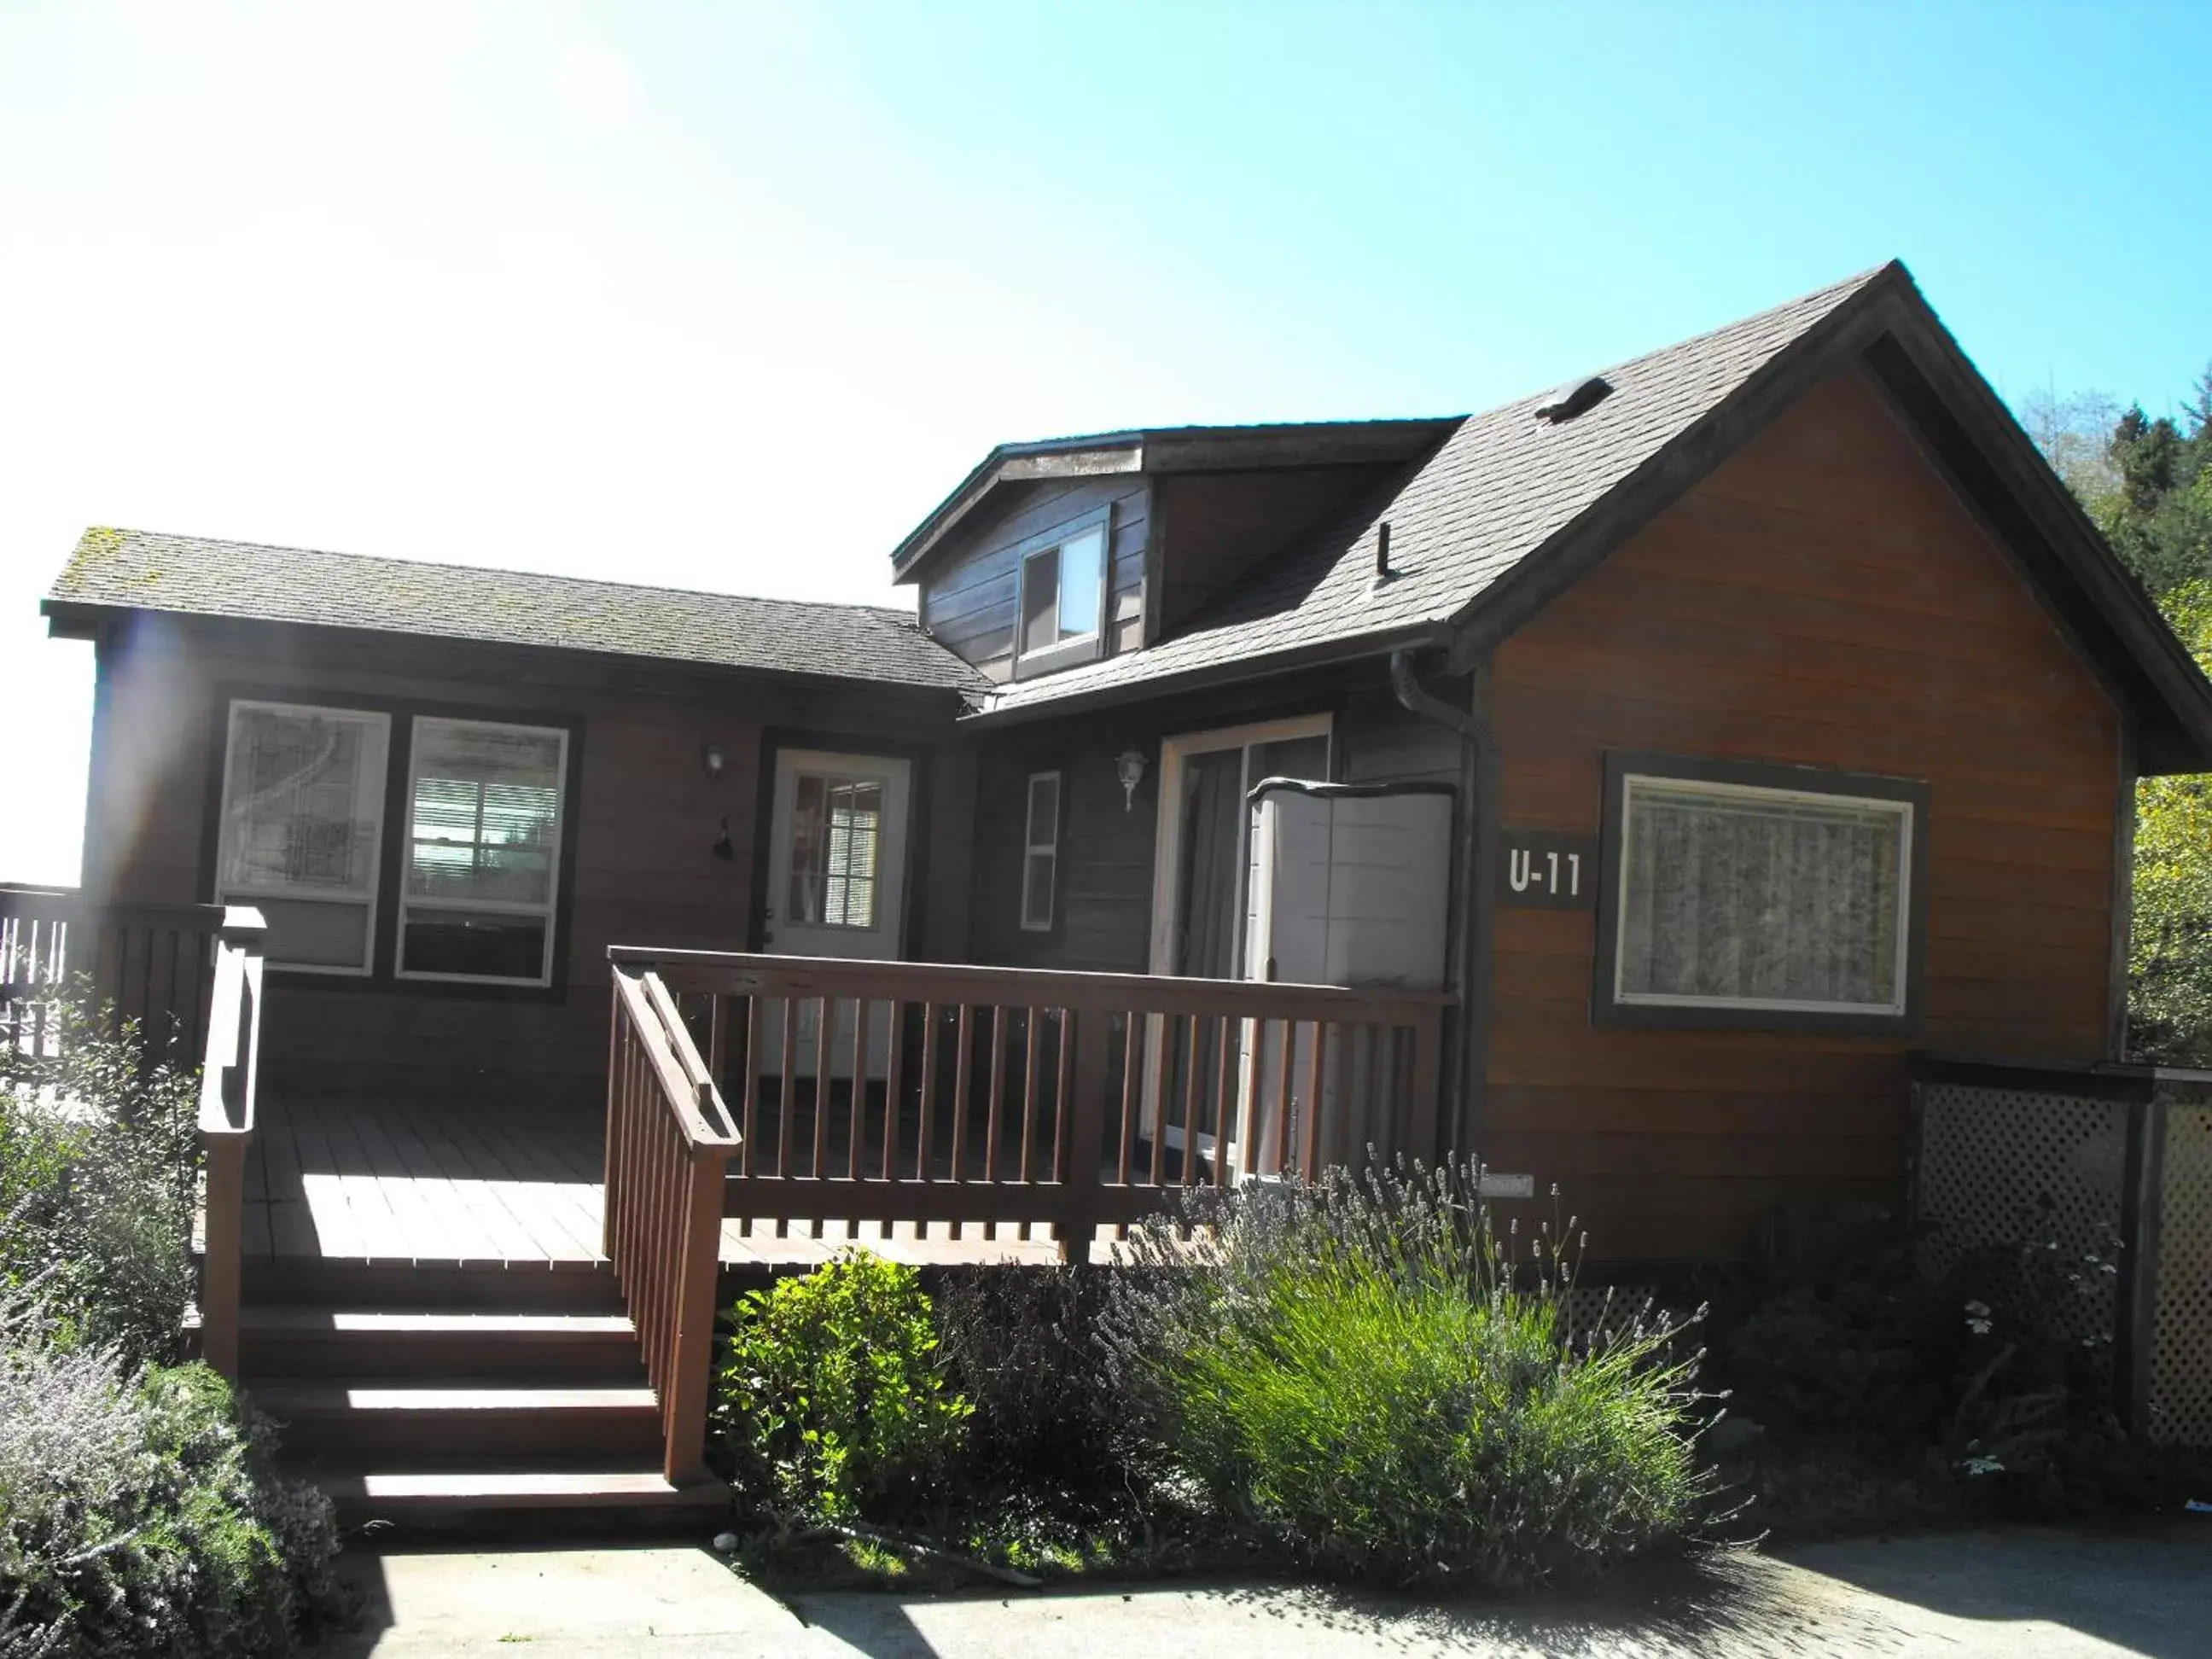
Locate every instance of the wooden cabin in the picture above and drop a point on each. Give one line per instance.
(1788, 709)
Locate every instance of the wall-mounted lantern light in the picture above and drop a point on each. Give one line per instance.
(712, 760)
(1129, 766)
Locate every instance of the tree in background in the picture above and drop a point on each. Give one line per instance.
(2147, 484)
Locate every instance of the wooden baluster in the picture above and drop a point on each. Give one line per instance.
(857, 1129)
(824, 1087)
(788, 1099)
(1421, 1128)
(1062, 1088)
(1032, 1034)
(894, 1100)
(1309, 1123)
(718, 1036)
(922, 1169)
(1133, 1064)
(1280, 1134)
(960, 1087)
(1225, 1104)
(1248, 1130)
(997, 1104)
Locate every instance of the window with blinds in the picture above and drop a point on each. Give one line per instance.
(483, 851)
(1732, 895)
(302, 812)
(836, 835)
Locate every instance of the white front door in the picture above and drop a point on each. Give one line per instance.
(836, 887)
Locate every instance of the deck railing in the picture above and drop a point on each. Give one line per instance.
(669, 1140)
(147, 962)
(228, 1088)
(892, 1092)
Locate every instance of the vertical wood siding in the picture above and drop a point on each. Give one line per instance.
(1822, 600)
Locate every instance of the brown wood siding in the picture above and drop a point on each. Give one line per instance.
(968, 604)
(1216, 527)
(644, 832)
(1823, 599)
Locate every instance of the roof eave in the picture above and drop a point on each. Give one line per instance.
(1211, 676)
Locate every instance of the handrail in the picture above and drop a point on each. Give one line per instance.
(669, 1143)
(141, 961)
(732, 973)
(229, 1087)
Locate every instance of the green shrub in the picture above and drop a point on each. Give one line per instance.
(138, 1513)
(830, 1398)
(1356, 1369)
(99, 1156)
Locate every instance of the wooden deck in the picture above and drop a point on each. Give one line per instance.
(391, 1181)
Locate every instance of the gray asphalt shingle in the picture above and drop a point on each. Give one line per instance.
(195, 576)
(1503, 485)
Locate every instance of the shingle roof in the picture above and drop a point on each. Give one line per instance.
(143, 570)
(1492, 494)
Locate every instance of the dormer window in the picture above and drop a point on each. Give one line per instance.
(1063, 600)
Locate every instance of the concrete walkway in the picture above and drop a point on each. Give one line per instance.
(2067, 1595)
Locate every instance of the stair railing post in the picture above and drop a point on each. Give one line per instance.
(1078, 1173)
(229, 1084)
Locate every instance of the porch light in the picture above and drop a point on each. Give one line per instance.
(1129, 766)
(712, 760)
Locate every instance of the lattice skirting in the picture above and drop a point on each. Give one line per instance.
(2181, 1344)
(2005, 1166)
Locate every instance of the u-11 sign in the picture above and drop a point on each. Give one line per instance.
(1548, 869)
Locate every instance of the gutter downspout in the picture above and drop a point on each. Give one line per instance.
(1480, 770)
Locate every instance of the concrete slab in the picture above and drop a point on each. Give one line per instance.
(2140, 1591)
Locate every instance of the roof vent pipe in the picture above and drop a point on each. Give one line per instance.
(1382, 572)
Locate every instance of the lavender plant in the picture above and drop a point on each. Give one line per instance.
(1363, 1372)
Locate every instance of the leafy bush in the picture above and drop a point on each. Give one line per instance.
(1358, 1370)
(137, 1511)
(99, 1156)
(830, 1398)
(1021, 1344)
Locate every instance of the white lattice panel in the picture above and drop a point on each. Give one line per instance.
(2181, 1346)
(2005, 1166)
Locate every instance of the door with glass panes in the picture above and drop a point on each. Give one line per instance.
(836, 887)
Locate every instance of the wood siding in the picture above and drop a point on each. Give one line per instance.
(968, 604)
(1822, 600)
(647, 820)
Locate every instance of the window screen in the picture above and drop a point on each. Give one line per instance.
(1041, 852)
(303, 801)
(483, 851)
(1734, 896)
(836, 832)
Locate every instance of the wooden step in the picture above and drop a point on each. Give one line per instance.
(452, 1424)
(300, 1342)
(370, 1493)
(492, 1286)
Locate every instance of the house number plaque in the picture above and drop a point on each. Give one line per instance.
(1548, 869)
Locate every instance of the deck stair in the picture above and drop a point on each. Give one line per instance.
(458, 1394)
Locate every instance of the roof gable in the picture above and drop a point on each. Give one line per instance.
(141, 570)
(1511, 509)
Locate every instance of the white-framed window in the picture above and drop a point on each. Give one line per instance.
(302, 830)
(1734, 898)
(1062, 596)
(836, 850)
(484, 809)
(1041, 853)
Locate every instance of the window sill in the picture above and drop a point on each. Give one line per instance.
(1052, 659)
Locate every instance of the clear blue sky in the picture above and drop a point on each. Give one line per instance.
(728, 297)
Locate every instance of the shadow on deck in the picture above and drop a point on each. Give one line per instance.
(454, 1181)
